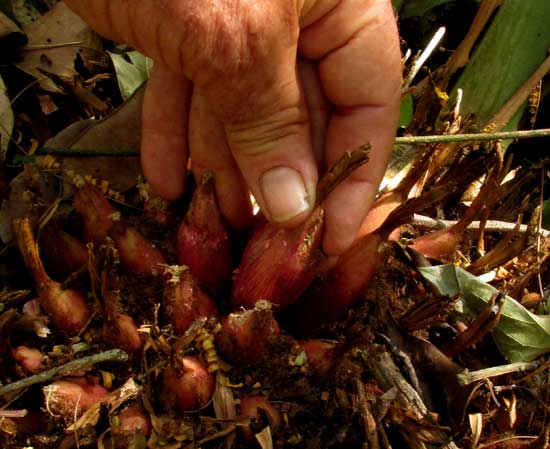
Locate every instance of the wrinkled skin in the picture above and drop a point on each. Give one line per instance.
(247, 86)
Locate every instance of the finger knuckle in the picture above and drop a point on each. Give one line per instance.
(227, 40)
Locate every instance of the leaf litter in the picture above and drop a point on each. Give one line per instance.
(386, 373)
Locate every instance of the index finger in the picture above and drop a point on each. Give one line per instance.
(357, 46)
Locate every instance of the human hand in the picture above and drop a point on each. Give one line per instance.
(266, 94)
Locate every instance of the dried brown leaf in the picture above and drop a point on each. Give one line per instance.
(60, 29)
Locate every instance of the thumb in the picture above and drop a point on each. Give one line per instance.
(273, 150)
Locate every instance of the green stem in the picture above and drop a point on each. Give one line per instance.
(413, 140)
(467, 377)
(474, 137)
(86, 153)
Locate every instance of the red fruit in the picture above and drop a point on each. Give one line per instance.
(184, 301)
(247, 335)
(97, 213)
(278, 264)
(71, 397)
(380, 210)
(321, 356)
(329, 298)
(101, 219)
(442, 244)
(63, 253)
(137, 254)
(132, 420)
(386, 203)
(438, 244)
(119, 328)
(203, 244)
(255, 408)
(154, 206)
(186, 385)
(30, 359)
(67, 309)
(121, 331)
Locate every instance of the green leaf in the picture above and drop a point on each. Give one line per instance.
(300, 359)
(20, 159)
(510, 51)
(6, 119)
(520, 335)
(397, 4)
(406, 112)
(417, 8)
(131, 75)
(546, 214)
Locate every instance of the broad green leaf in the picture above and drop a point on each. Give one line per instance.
(406, 112)
(131, 75)
(512, 48)
(6, 120)
(521, 336)
(417, 8)
(546, 214)
(397, 4)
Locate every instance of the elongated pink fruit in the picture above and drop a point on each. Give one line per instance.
(137, 254)
(439, 244)
(72, 396)
(203, 244)
(380, 210)
(98, 214)
(329, 298)
(386, 203)
(30, 359)
(184, 301)
(132, 420)
(321, 356)
(63, 254)
(120, 331)
(278, 264)
(186, 385)
(67, 309)
(442, 244)
(247, 335)
(119, 328)
(101, 219)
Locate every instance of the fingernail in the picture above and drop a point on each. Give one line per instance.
(284, 193)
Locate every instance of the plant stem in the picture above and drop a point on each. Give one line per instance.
(344, 167)
(76, 152)
(461, 56)
(413, 140)
(114, 355)
(474, 137)
(468, 377)
(491, 225)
